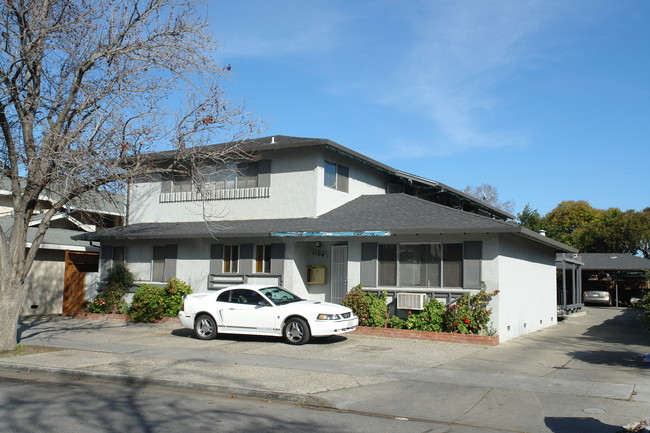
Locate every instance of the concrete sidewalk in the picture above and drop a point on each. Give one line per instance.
(585, 374)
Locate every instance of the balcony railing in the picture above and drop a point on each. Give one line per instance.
(218, 194)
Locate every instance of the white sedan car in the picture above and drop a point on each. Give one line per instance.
(257, 309)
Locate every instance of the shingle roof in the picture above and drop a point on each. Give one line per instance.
(53, 236)
(286, 142)
(103, 202)
(614, 262)
(393, 213)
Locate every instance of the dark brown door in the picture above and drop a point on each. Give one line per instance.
(74, 283)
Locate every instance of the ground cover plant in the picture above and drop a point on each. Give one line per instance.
(466, 315)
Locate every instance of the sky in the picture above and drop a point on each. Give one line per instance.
(545, 100)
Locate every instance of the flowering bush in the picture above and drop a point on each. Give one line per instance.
(470, 315)
(109, 301)
(431, 318)
(396, 323)
(152, 303)
(371, 309)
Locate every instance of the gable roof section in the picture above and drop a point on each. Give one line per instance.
(614, 262)
(55, 238)
(397, 214)
(278, 142)
(104, 202)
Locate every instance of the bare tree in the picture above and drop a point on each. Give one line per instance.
(87, 89)
(490, 195)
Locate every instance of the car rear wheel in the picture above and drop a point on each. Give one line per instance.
(296, 331)
(205, 328)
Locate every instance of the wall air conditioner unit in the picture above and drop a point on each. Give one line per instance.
(411, 301)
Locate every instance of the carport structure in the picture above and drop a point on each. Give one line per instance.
(569, 283)
(623, 275)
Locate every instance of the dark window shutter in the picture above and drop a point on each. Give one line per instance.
(171, 255)
(246, 259)
(277, 259)
(369, 264)
(264, 173)
(106, 258)
(216, 259)
(472, 255)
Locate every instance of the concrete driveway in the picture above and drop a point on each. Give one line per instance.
(584, 375)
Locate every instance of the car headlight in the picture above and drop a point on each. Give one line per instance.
(328, 317)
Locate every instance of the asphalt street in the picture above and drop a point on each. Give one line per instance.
(585, 374)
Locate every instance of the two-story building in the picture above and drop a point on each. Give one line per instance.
(319, 218)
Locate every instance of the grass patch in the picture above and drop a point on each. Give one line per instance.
(24, 349)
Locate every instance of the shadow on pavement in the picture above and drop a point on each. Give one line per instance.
(25, 324)
(613, 358)
(580, 425)
(625, 328)
(184, 332)
(49, 406)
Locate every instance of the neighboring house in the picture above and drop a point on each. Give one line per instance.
(319, 218)
(65, 271)
(623, 275)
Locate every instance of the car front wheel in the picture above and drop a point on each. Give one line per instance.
(205, 328)
(296, 331)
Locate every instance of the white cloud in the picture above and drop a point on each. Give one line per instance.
(456, 69)
(462, 53)
(275, 28)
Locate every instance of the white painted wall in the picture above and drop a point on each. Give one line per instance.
(297, 190)
(193, 263)
(292, 195)
(363, 181)
(526, 278)
(44, 285)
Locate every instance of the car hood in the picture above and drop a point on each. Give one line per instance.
(317, 307)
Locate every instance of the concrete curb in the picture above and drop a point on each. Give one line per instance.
(252, 393)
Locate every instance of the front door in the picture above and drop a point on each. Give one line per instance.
(339, 284)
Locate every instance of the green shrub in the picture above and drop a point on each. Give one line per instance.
(470, 315)
(431, 318)
(152, 303)
(110, 299)
(396, 323)
(371, 309)
(118, 275)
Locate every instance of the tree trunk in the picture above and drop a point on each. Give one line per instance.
(11, 300)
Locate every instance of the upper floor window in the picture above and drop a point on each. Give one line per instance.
(225, 176)
(219, 182)
(336, 176)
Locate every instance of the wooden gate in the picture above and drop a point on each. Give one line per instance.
(74, 282)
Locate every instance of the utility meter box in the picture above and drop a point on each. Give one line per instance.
(316, 275)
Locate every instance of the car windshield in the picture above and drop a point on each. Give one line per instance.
(279, 296)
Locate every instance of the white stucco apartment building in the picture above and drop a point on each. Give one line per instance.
(319, 218)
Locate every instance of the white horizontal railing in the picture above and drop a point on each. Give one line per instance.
(219, 194)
